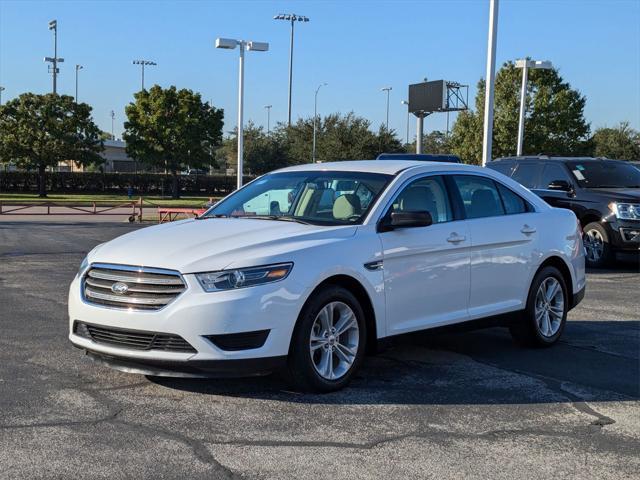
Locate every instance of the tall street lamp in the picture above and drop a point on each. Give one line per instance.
(315, 118)
(53, 25)
(525, 65)
(142, 64)
(388, 90)
(230, 44)
(78, 68)
(1, 90)
(113, 116)
(291, 18)
(268, 107)
(487, 129)
(404, 102)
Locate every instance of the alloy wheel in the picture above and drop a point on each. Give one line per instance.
(549, 308)
(594, 244)
(334, 340)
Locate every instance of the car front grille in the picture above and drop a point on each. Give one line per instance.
(135, 288)
(132, 339)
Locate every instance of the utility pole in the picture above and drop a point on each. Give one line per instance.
(388, 90)
(142, 64)
(268, 107)
(78, 68)
(53, 25)
(487, 136)
(291, 18)
(315, 119)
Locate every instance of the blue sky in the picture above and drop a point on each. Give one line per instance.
(356, 47)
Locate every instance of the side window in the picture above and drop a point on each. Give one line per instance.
(479, 196)
(553, 172)
(513, 203)
(504, 167)
(426, 194)
(527, 174)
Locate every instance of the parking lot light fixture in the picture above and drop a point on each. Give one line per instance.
(230, 44)
(405, 102)
(388, 90)
(525, 64)
(144, 63)
(315, 120)
(78, 68)
(268, 108)
(1, 90)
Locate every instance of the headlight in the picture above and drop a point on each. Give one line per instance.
(625, 211)
(243, 277)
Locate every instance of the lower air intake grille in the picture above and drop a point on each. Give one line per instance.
(132, 339)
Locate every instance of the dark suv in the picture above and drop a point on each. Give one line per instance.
(604, 194)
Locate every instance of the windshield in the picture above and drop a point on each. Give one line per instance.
(318, 198)
(605, 174)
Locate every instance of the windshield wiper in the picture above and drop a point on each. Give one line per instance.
(275, 217)
(216, 215)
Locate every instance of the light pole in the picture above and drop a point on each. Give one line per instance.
(487, 134)
(142, 64)
(404, 102)
(291, 18)
(230, 44)
(53, 25)
(315, 119)
(78, 68)
(268, 107)
(525, 65)
(388, 90)
(1, 90)
(113, 116)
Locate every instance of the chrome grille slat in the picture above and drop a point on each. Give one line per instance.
(148, 289)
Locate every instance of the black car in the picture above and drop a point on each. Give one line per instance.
(604, 194)
(422, 157)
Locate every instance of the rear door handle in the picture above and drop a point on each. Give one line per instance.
(527, 230)
(455, 238)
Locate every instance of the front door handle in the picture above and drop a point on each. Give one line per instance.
(527, 230)
(455, 238)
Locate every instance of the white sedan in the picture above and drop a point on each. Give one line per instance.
(305, 269)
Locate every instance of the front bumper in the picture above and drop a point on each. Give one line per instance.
(625, 235)
(199, 318)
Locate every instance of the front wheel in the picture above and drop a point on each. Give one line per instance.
(597, 245)
(328, 342)
(545, 315)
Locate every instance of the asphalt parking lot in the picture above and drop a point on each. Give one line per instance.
(454, 405)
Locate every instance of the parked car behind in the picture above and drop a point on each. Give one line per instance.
(604, 194)
(421, 157)
(355, 252)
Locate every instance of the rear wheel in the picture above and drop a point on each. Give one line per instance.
(328, 342)
(545, 316)
(597, 245)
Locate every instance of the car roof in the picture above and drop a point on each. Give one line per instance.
(389, 167)
(558, 159)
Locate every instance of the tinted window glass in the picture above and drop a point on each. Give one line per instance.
(513, 203)
(503, 167)
(526, 174)
(479, 195)
(551, 172)
(426, 194)
(605, 174)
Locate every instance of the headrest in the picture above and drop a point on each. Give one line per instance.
(346, 206)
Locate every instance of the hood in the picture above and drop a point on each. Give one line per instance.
(206, 245)
(618, 194)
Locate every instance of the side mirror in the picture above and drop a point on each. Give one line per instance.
(407, 220)
(562, 185)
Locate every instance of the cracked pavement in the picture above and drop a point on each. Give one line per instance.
(448, 405)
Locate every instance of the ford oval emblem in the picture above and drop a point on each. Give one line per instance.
(120, 288)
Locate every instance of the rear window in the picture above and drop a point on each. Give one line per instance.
(503, 167)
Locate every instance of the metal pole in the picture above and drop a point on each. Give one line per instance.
(268, 119)
(113, 116)
(523, 101)
(55, 58)
(290, 69)
(387, 121)
(419, 124)
(407, 124)
(76, 97)
(1, 89)
(240, 106)
(489, 90)
(315, 117)
(142, 75)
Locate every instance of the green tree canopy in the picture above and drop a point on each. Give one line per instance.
(39, 131)
(621, 142)
(172, 129)
(554, 122)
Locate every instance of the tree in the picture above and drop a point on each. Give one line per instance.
(262, 153)
(39, 131)
(621, 142)
(172, 129)
(554, 122)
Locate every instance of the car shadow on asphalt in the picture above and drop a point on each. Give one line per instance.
(594, 361)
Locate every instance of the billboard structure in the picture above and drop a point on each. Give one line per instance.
(426, 98)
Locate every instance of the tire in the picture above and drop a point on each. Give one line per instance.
(326, 368)
(531, 328)
(597, 245)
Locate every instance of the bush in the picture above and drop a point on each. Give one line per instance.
(117, 183)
